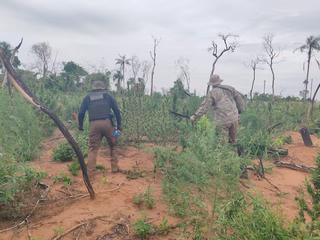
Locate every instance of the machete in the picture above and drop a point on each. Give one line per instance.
(180, 115)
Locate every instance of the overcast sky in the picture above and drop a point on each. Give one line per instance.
(91, 30)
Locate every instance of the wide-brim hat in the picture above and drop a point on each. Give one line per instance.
(215, 80)
(98, 84)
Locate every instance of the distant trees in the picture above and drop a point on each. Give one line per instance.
(227, 47)
(8, 50)
(271, 56)
(123, 61)
(312, 44)
(72, 75)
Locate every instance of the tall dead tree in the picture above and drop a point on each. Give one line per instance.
(153, 56)
(272, 55)
(227, 47)
(22, 88)
(42, 54)
(135, 66)
(184, 73)
(254, 62)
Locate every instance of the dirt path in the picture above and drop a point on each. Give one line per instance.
(289, 181)
(117, 205)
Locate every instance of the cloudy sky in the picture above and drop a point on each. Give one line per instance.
(88, 31)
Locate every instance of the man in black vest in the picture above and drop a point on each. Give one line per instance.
(98, 102)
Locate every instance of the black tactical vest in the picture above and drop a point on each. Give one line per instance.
(98, 105)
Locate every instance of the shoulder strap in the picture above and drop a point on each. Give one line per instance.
(223, 88)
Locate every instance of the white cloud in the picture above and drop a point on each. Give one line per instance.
(84, 31)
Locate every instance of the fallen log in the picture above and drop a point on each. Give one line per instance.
(281, 152)
(293, 166)
(22, 88)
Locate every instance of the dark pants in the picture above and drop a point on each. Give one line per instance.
(98, 130)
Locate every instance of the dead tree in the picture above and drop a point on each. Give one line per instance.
(255, 61)
(183, 65)
(135, 66)
(153, 56)
(309, 113)
(272, 55)
(227, 47)
(22, 88)
(42, 53)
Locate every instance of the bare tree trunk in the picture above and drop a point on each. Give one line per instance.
(30, 97)
(153, 57)
(152, 73)
(309, 113)
(307, 78)
(273, 78)
(254, 78)
(124, 82)
(212, 72)
(311, 89)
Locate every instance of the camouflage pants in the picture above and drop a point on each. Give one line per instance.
(98, 130)
(230, 131)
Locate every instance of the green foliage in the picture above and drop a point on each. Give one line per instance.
(15, 178)
(19, 128)
(64, 152)
(63, 178)
(100, 167)
(164, 227)
(135, 173)
(147, 197)
(74, 167)
(58, 231)
(251, 219)
(142, 227)
(313, 191)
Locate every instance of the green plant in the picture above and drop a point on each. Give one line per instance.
(62, 178)
(63, 152)
(58, 231)
(142, 227)
(39, 238)
(287, 139)
(164, 228)
(150, 199)
(135, 173)
(138, 199)
(100, 167)
(74, 167)
(146, 197)
(16, 178)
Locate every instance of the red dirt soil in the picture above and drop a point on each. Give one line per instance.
(117, 205)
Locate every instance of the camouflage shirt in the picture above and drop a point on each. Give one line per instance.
(226, 103)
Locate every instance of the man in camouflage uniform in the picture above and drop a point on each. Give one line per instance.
(227, 105)
(98, 102)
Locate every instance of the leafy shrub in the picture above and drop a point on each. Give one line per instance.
(15, 179)
(64, 152)
(142, 227)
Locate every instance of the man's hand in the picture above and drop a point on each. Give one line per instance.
(80, 128)
(119, 128)
(238, 117)
(192, 118)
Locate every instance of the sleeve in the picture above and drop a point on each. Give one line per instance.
(205, 106)
(239, 101)
(82, 111)
(116, 110)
